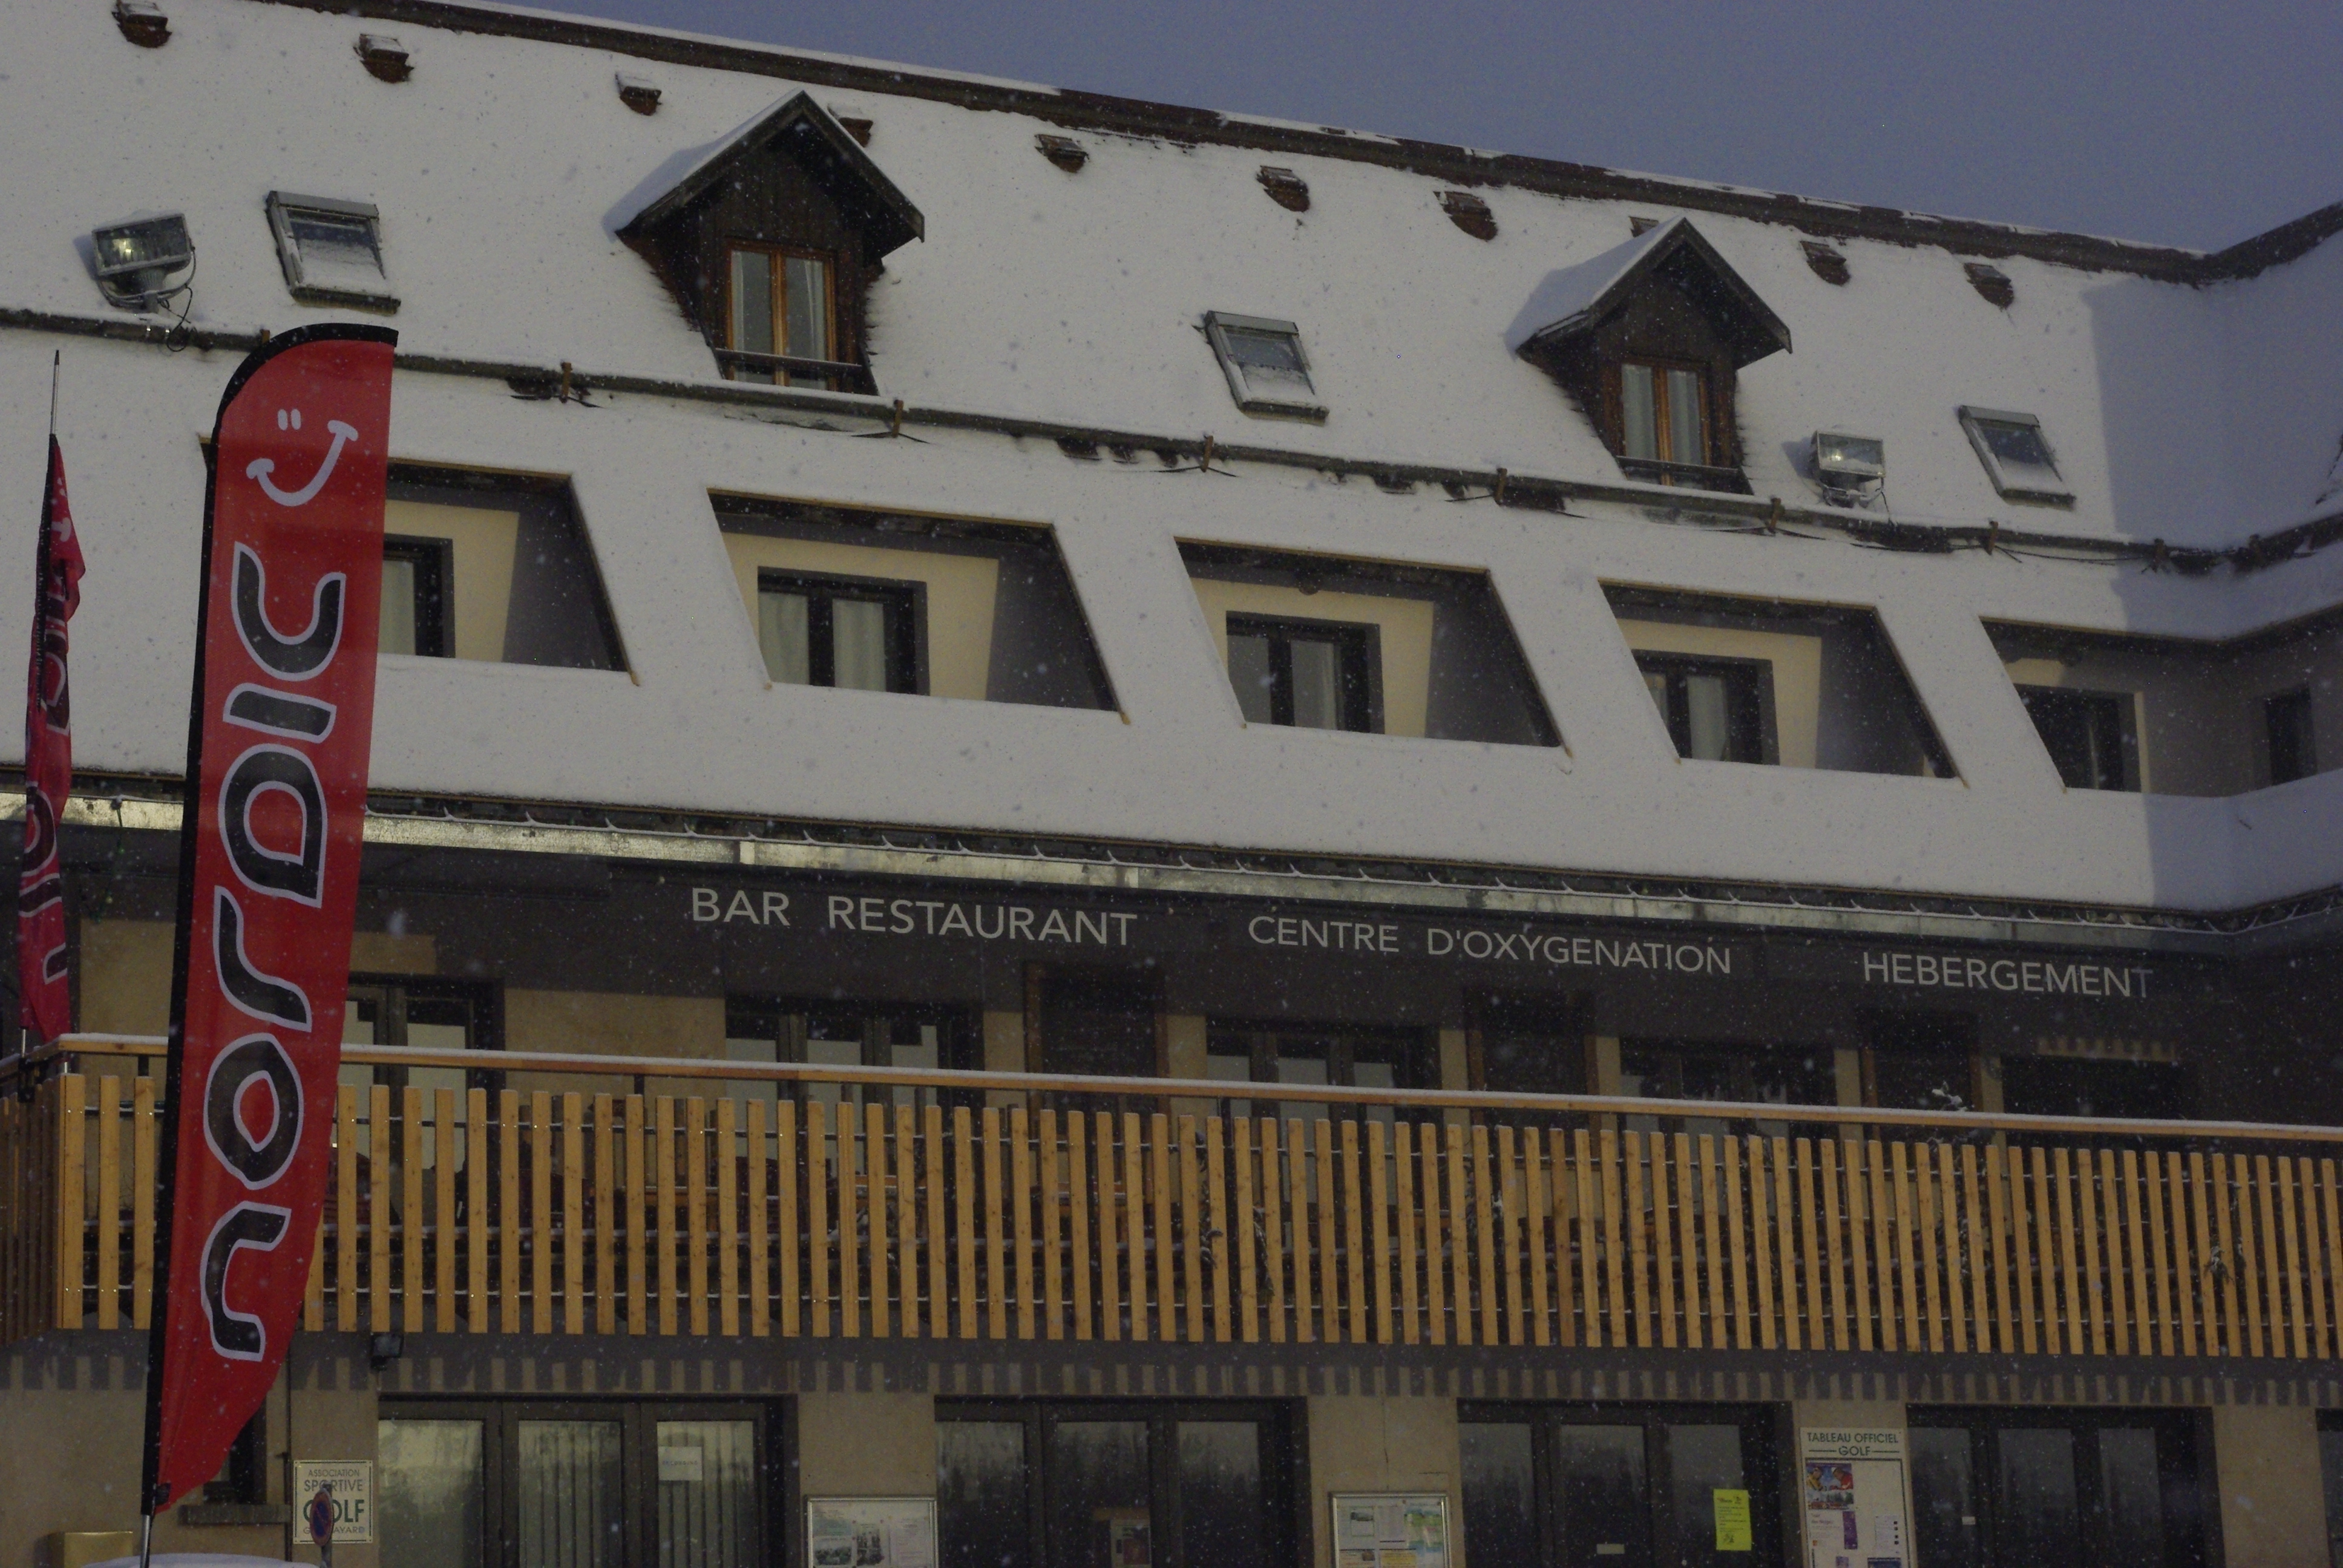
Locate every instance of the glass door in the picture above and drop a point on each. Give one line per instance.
(1083, 1484)
(534, 1484)
(1620, 1486)
(2097, 1489)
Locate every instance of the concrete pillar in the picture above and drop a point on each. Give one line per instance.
(1455, 1070)
(2273, 1502)
(1382, 1443)
(1004, 1051)
(1185, 1046)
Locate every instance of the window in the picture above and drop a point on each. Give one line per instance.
(414, 574)
(492, 569)
(592, 1484)
(1267, 371)
(2015, 456)
(858, 633)
(331, 250)
(782, 303)
(1584, 1486)
(1311, 675)
(1664, 414)
(1760, 1075)
(437, 1014)
(2286, 722)
(1091, 1484)
(850, 1034)
(2109, 1489)
(2081, 1086)
(1344, 1058)
(2089, 734)
(1716, 709)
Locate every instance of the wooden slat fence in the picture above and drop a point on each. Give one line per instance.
(734, 1215)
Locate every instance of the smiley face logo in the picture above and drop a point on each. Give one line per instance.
(260, 468)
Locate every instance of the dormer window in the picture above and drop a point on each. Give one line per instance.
(1648, 338)
(781, 305)
(1664, 413)
(331, 250)
(771, 243)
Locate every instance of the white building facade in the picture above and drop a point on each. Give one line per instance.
(898, 572)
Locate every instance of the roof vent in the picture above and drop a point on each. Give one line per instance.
(385, 57)
(1063, 151)
(1828, 264)
(143, 23)
(1642, 224)
(1469, 213)
(1285, 187)
(639, 94)
(858, 129)
(1991, 283)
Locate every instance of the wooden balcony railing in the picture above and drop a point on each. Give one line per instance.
(1402, 1218)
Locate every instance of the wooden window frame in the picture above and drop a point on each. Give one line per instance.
(780, 254)
(1614, 386)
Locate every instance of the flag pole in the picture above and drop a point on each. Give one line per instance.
(56, 368)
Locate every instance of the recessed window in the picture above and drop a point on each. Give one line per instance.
(2090, 735)
(1664, 414)
(491, 568)
(782, 305)
(331, 250)
(2286, 722)
(855, 633)
(1267, 371)
(2015, 455)
(415, 575)
(1311, 675)
(1715, 709)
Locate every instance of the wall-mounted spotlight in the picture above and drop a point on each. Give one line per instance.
(136, 261)
(384, 1348)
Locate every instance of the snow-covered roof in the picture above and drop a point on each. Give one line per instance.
(2188, 398)
(505, 166)
(1574, 298)
(797, 127)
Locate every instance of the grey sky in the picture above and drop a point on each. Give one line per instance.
(2166, 120)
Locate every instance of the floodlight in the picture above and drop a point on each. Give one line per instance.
(1843, 462)
(137, 259)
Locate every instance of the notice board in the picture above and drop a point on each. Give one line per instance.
(1852, 1502)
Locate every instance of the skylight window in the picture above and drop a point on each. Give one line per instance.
(331, 249)
(2015, 456)
(1267, 371)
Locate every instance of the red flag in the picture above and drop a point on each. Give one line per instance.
(45, 1000)
(268, 874)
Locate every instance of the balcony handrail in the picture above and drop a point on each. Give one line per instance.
(714, 1070)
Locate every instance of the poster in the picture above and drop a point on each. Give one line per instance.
(1734, 1530)
(351, 1482)
(1390, 1530)
(870, 1532)
(1852, 1499)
